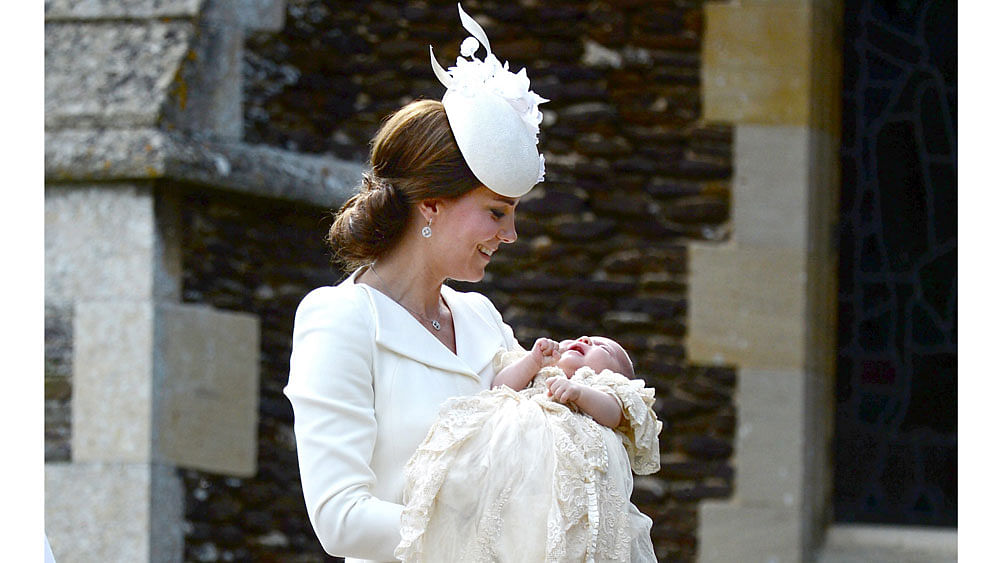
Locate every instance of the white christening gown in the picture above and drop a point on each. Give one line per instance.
(506, 476)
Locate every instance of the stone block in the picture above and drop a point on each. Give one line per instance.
(113, 512)
(170, 383)
(859, 543)
(114, 75)
(771, 438)
(732, 532)
(757, 62)
(99, 243)
(120, 9)
(262, 15)
(827, 65)
(58, 342)
(747, 307)
(58, 380)
(74, 155)
(112, 382)
(770, 191)
(207, 94)
(208, 412)
(824, 200)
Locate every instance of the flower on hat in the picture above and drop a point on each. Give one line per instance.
(469, 47)
(471, 73)
(477, 89)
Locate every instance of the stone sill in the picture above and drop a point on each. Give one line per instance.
(265, 15)
(854, 543)
(112, 155)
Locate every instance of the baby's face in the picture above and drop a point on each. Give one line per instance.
(595, 352)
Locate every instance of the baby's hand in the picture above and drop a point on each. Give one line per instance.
(563, 390)
(545, 352)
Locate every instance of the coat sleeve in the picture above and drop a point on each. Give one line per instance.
(331, 389)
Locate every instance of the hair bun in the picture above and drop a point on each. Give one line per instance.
(371, 183)
(369, 222)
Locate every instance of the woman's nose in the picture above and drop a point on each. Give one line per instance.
(508, 233)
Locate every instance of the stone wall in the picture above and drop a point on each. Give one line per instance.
(766, 299)
(255, 255)
(58, 381)
(633, 176)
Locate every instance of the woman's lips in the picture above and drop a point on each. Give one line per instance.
(485, 251)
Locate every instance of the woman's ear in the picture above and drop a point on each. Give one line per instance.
(429, 208)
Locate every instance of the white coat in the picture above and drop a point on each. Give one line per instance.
(366, 381)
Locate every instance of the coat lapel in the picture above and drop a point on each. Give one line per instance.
(477, 335)
(397, 330)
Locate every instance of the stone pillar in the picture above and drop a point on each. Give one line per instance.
(156, 384)
(765, 301)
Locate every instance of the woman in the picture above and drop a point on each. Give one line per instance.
(374, 357)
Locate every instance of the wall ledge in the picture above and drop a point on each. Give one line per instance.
(265, 15)
(112, 155)
(857, 543)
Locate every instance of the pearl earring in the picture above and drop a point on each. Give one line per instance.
(426, 231)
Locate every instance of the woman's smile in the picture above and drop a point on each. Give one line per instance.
(488, 252)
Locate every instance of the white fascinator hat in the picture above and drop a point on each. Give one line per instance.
(494, 116)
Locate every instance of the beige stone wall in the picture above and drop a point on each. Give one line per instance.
(155, 384)
(150, 385)
(765, 300)
(113, 512)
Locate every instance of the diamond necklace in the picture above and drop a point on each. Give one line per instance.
(433, 322)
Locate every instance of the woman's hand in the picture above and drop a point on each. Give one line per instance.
(564, 390)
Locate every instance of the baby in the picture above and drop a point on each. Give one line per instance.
(596, 352)
(538, 468)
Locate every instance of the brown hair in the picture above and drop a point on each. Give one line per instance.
(413, 157)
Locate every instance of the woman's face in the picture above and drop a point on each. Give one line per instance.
(469, 229)
(595, 352)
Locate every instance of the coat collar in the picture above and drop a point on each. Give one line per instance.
(477, 337)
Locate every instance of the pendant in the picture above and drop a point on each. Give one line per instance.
(436, 325)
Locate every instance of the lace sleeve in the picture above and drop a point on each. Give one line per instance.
(639, 429)
(504, 357)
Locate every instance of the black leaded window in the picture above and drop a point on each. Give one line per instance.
(896, 447)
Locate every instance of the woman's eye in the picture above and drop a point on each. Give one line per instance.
(497, 214)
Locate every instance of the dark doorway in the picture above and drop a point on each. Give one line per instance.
(896, 446)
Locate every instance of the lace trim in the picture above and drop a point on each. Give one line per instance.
(458, 420)
(640, 429)
(588, 519)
